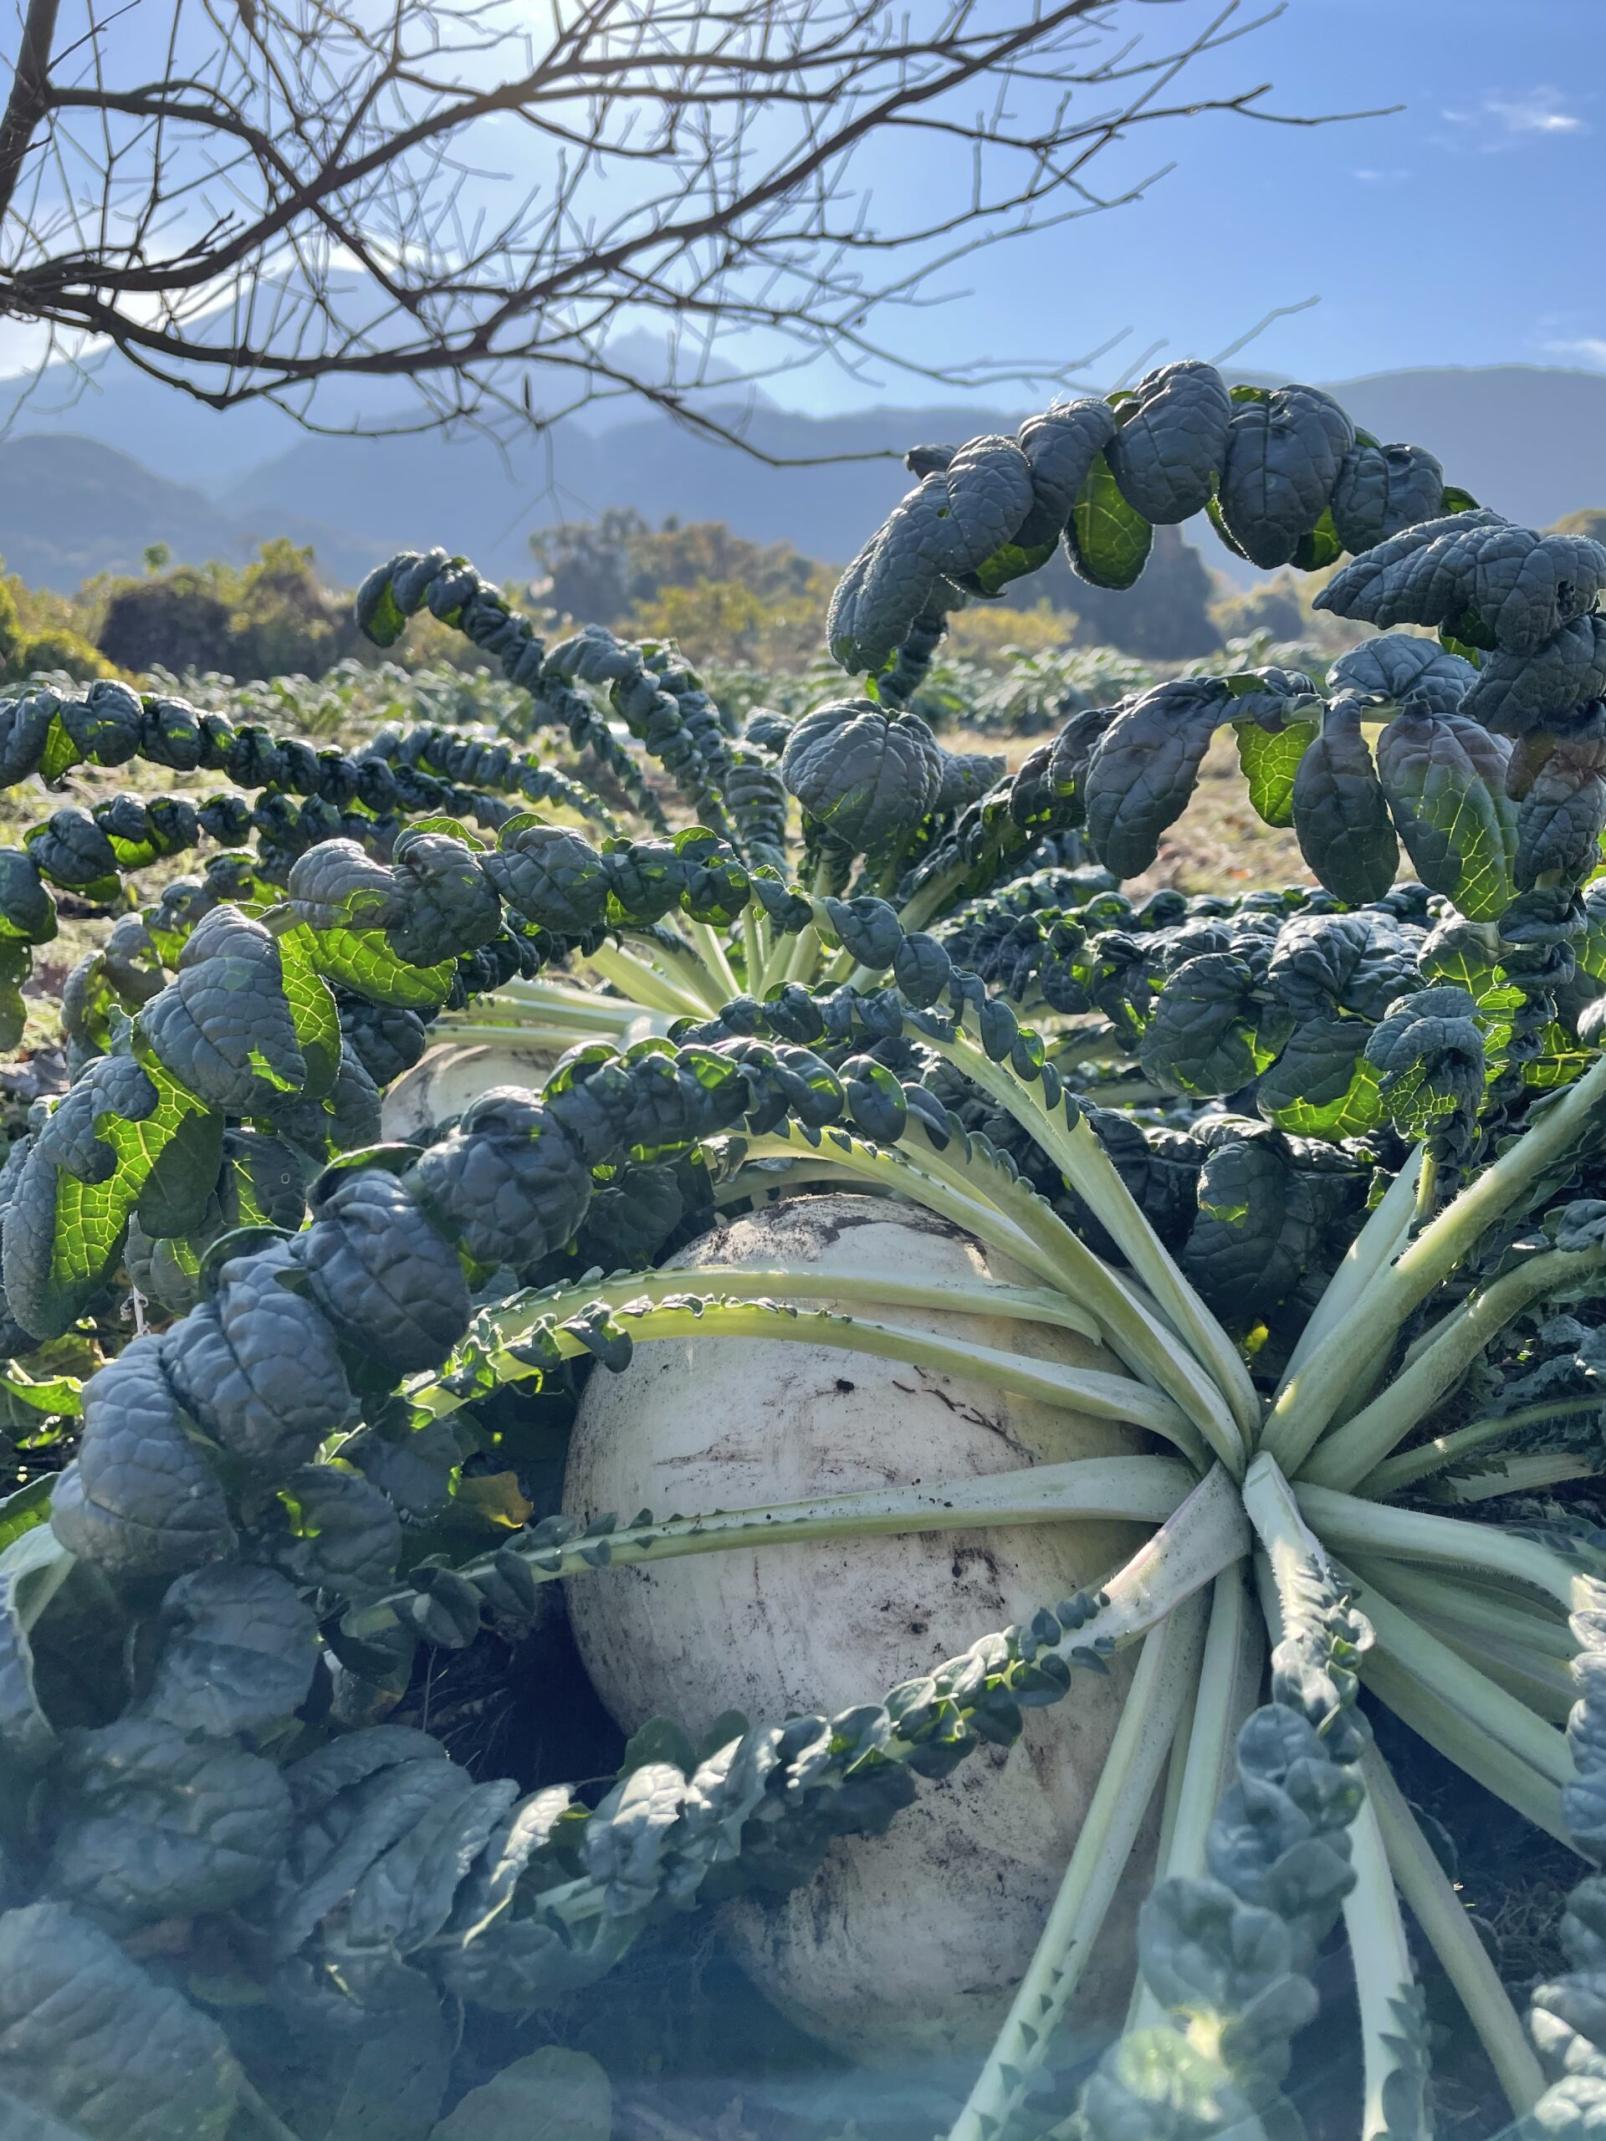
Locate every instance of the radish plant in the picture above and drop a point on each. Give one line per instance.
(1289, 1351)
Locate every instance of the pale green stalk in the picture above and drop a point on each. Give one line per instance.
(1351, 1526)
(752, 944)
(1350, 1452)
(1398, 1473)
(515, 1316)
(1202, 1759)
(1485, 1706)
(1057, 1254)
(1133, 1489)
(1545, 1685)
(1479, 1616)
(1128, 1775)
(1525, 1472)
(958, 1198)
(1381, 1959)
(644, 985)
(1387, 1230)
(1312, 1398)
(1085, 1390)
(1135, 1329)
(711, 949)
(676, 959)
(1439, 1911)
(1445, 1728)
(1090, 1171)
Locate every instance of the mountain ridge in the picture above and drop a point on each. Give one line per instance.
(1529, 439)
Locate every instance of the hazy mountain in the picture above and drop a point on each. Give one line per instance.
(73, 507)
(1529, 440)
(109, 400)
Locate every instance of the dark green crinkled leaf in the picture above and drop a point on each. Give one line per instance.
(89, 2039)
(1382, 489)
(238, 1648)
(151, 1823)
(223, 1026)
(1444, 777)
(1171, 441)
(1263, 1215)
(1355, 963)
(1106, 540)
(956, 519)
(141, 1499)
(259, 1366)
(1201, 1038)
(347, 903)
(1144, 769)
(384, 1273)
(1340, 815)
(1284, 451)
(1515, 693)
(123, 1134)
(867, 776)
(1322, 1085)
(1561, 817)
(331, 1529)
(554, 878)
(1400, 666)
(27, 911)
(1059, 445)
(381, 2072)
(1429, 1056)
(1485, 580)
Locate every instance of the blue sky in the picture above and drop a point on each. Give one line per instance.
(1464, 229)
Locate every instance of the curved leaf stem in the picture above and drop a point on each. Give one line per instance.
(1393, 2047)
(1349, 1525)
(1395, 1474)
(1313, 1397)
(1089, 1170)
(1374, 1248)
(1088, 1390)
(1464, 1742)
(1439, 1911)
(1154, 1707)
(1350, 1452)
(1132, 1489)
(1485, 1705)
(1202, 1757)
(644, 985)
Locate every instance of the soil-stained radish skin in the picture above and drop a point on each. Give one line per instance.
(907, 1944)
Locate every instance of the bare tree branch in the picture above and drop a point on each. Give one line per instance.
(255, 200)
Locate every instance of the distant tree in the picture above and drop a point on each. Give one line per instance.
(1276, 606)
(586, 567)
(176, 620)
(268, 618)
(1590, 520)
(606, 571)
(252, 201)
(156, 557)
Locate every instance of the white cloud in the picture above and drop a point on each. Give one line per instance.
(1521, 114)
(1582, 349)
(1369, 176)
